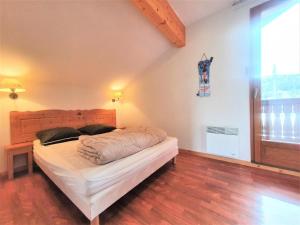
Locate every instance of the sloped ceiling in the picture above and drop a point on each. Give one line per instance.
(84, 42)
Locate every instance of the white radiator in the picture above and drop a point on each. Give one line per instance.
(223, 141)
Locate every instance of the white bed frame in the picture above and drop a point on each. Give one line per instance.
(93, 206)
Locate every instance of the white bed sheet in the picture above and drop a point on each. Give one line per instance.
(87, 179)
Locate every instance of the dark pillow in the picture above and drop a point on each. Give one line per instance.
(96, 129)
(57, 135)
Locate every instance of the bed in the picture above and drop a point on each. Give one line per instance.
(92, 188)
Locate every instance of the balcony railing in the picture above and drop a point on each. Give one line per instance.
(280, 120)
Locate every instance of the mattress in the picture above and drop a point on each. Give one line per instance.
(85, 178)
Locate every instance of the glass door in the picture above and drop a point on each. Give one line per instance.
(277, 86)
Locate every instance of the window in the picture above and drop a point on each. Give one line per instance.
(280, 53)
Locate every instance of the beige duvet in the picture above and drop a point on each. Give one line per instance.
(104, 148)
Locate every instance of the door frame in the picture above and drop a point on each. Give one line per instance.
(256, 143)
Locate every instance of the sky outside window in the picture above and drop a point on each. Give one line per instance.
(280, 48)
(280, 54)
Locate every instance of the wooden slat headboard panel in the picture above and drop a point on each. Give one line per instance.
(24, 125)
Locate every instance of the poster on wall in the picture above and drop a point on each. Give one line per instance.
(204, 76)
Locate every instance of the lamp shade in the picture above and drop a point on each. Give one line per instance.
(118, 94)
(11, 85)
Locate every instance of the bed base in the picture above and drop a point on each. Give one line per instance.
(174, 160)
(106, 199)
(95, 221)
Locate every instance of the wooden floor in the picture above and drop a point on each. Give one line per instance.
(196, 191)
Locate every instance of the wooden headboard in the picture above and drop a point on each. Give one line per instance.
(24, 125)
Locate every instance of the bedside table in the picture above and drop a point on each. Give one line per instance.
(18, 149)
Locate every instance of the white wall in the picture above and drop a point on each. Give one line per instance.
(167, 92)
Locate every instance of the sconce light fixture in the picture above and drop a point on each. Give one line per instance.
(11, 86)
(117, 95)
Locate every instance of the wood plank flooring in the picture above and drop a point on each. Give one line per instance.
(196, 191)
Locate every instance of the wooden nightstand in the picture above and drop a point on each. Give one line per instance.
(18, 149)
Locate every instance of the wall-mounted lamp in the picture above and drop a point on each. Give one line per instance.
(117, 95)
(11, 86)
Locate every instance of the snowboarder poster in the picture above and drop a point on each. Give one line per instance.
(204, 76)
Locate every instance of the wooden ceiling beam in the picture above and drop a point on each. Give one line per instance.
(162, 16)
